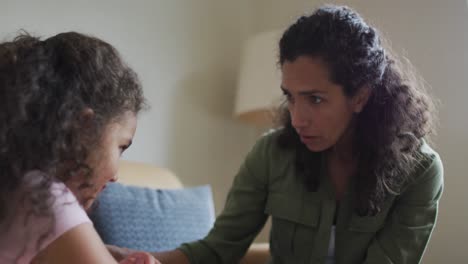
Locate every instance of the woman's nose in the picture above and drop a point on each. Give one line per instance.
(298, 118)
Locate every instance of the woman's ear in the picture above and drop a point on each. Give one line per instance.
(360, 99)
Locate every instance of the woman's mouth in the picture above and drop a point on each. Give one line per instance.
(308, 139)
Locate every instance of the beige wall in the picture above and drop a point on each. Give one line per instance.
(433, 34)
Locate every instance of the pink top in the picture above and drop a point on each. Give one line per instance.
(18, 244)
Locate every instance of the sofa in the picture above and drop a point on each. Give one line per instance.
(150, 209)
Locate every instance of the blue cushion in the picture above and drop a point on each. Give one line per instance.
(153, 219)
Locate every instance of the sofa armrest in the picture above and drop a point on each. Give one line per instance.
(258, 253)
(147, 175)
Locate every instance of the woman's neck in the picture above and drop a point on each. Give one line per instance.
(344, 148)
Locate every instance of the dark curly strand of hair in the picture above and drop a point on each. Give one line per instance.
(45, 86)
(398, 115)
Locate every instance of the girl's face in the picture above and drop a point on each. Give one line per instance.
(116, 138)
(320, 112)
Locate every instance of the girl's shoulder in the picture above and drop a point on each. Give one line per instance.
(29, 229)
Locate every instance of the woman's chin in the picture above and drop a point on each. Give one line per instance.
(316, 147)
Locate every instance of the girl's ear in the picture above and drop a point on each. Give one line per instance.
(86, 117)
(360, 99)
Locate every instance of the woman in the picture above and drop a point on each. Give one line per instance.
(349, 178)
(68, 110)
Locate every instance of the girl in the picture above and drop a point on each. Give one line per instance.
(68, 107)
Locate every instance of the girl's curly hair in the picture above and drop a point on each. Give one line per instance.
(399, 112)
(45, 85)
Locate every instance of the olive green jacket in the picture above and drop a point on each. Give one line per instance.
(301, 220)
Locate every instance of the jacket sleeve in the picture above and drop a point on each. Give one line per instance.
(405, 235)
(243, 215)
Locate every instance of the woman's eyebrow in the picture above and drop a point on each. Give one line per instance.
(305, 91)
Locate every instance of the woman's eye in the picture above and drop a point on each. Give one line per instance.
(316, 99)
(288, 96)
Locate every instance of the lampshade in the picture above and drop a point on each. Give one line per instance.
(259, 80)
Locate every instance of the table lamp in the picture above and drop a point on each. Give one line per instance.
(258, 89)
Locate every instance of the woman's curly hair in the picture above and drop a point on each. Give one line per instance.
(45, 86)
(398, 115)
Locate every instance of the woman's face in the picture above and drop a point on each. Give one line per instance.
(320, 112)
(116, 138)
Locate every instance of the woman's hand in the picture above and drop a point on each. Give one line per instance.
(140, 258)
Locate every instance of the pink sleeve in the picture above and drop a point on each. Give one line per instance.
(22, 241)
(68, 212)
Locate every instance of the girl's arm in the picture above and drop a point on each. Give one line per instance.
(82, 244)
